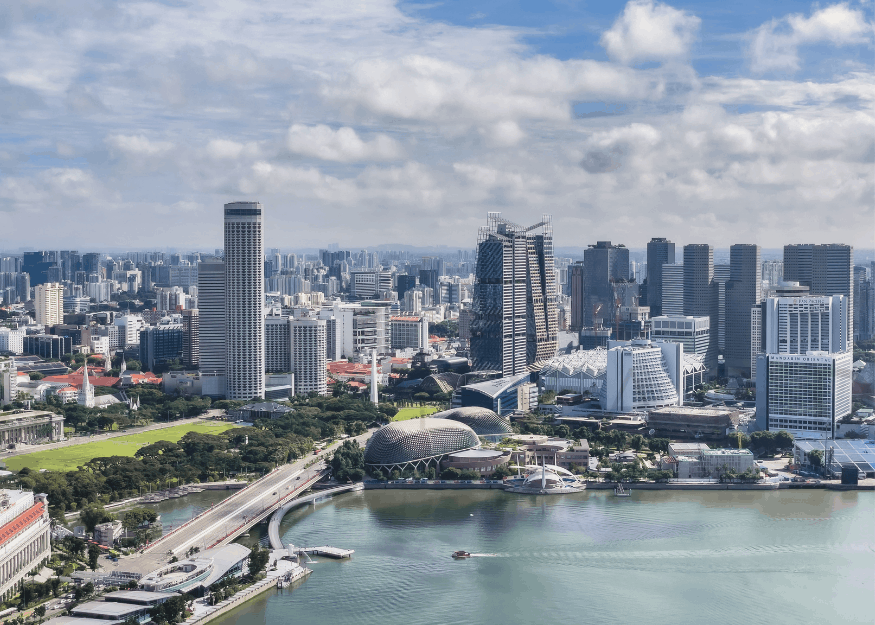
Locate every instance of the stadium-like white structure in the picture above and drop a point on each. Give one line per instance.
(417, 443)
(483, 421)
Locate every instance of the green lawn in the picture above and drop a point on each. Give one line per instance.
(414, 413)
(68, 458)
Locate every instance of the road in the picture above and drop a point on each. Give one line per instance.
(83, 440)
(273, 530)
(221, 523)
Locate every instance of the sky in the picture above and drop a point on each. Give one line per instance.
(128, 124)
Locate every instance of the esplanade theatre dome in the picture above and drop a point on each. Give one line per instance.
(483, 421)
(418, 442)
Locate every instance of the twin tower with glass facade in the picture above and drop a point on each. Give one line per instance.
(515, 313)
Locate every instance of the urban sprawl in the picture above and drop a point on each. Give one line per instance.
(127, 379)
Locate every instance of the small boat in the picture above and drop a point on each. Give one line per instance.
(619, 491)
(458, 555)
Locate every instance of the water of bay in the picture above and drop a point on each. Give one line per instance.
(691, 557)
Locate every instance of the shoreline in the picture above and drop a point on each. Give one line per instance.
(638, 486)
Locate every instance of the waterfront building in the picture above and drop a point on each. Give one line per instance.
(484, 461)
(48, 304)
(743, 291)
(805, 394)
(417, 443)
(660, 251)
(25, 535)
(201, 571)
(838, 453)
(244, 300)
(692, 422)
(483, 421)
(641, 375)
(515, 316)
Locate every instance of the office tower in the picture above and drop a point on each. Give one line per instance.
(211, 316)
(408, 331)
(277, 344)
(825, 269)
(191, 338)
(694, 333)
(864, 302)
(804, 394)
(49, 304)
(743, 291)
(514, 304)
(309, 364)
(429, 278)
(405, 283)
(701, 294)
(369, 284)
(660, 251)
(773, 272)
(244, 300)
(722, 274)
(672, 290)
(576, 290)
(604, 264)
(36, 265)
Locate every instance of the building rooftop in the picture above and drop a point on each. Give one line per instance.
(106, 609)
(493, 388)
(477, 453)
(143, 597)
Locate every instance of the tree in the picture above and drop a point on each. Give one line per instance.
(258, 560)
(815, 458)
(40, 611)
(93, 555)
(637, 442)
(35, 375)
(450, 473)
(94, 515)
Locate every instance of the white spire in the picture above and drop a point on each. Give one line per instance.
(374, 390)
(123, 367)
(86, 395)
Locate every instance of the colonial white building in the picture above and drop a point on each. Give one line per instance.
(30, 427)
(24, 537)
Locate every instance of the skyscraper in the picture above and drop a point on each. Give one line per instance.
(190, 338)
(308, 337)
(743, 291)
(576, 278)
(825, 269)
(49, 304)
(211, 318)
(515, 314)
(700, 295)
(604, 264)
(244, 300)
(672, 290)
(660, 251)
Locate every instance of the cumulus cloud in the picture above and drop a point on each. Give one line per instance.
(342, 145)
(774, 46)
(650, 31)
(137, 146)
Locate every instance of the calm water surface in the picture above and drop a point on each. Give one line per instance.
(699, 557)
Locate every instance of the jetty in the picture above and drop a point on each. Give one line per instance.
(327, 552)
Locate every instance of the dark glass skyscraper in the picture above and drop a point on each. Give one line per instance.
(604, 264)
(824, 269)
(660, 252)
(743, 292)
(515, 314)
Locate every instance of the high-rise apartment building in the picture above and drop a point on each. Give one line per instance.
(660, 251)
(211, 317)
(825, 269)
(244, 300)
(744, 290)
(309, 365)
(604, 265)
(191, 338)
(514, 304)
(49, 304)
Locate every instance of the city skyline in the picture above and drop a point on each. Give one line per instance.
(406, 122)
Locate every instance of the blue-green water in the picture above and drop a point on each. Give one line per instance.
(697, 557)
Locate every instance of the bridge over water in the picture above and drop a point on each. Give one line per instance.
(273, 529)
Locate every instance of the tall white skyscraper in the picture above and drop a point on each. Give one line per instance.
(49, 304)
(244, 300)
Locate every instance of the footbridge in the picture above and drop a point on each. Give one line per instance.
(273, 530)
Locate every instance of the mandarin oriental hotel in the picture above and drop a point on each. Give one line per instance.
(804, 394)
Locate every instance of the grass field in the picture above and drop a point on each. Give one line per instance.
(68, 458)
(414, 413)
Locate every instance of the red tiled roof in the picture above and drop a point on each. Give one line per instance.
(21, 522)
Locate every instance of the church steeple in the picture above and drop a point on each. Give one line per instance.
(86, 394)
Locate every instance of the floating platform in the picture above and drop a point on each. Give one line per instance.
(328, 552)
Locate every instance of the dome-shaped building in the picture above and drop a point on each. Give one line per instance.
(417, 443)
(483, 421)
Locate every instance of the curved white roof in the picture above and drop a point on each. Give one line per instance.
(591, 362)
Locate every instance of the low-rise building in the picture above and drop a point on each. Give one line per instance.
(30, 427)
(693, 422)
(107, 533)
(484, 461)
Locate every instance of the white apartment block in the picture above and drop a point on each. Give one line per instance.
(25, 533)
(804, 394)
(49, 304)
(129, 327)
(309, 363)
(12, 341)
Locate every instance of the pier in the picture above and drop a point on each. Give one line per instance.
(328, 552)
